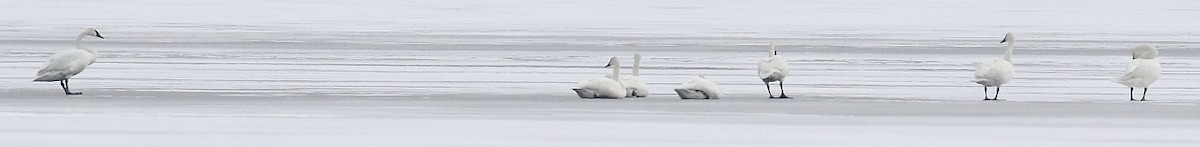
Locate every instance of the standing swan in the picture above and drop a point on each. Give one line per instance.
(603, 87)
(1142, 72)
(634, 84)
(67, 63)
(773, 68)
(996, 72)
(699, 88)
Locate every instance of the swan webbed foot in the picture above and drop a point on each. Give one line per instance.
(76, 93)
(782, 96)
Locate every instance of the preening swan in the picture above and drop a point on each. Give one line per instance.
(603, 87)
(699, 88)
(1142, 72)
(634, 84)
(67, 63)
(773, 68)
(996, 72)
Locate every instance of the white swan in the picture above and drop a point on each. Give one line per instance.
(996, 72)
(634, 84)
(1142, 72)
(603, 87)
(699, 88)
(67, 63)
(773, 68)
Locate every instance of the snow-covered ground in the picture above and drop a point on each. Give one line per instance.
(483, 73)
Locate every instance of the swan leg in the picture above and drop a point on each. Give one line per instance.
(67, 87)
(769, 89)
(1144, 93)
(985, 93)
(997, 97)
(1131, 94)
(781, 92)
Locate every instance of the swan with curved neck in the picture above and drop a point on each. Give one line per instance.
(996, 72)
(603, 87)
(68, 63)
(1142, 71)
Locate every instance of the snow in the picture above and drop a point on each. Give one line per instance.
(498, 73)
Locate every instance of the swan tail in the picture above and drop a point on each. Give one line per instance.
(50, 78)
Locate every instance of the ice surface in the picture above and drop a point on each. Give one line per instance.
(483, 73)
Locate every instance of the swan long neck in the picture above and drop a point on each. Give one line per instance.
(1008, 51)
(637, 64)
(616, 71)
(79, 41)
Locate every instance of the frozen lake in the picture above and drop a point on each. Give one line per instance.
(880, 69)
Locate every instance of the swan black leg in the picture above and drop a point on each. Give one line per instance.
(997, 97)
(985, 93)
(67, 87)
(1131, 94)
(782, 94)
(769, 89)
(1144, 93)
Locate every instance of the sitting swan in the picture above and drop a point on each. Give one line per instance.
(699, 88)
(603, 87)
(1142, 72)
(67, 63)
(996, 72)
(634, 84)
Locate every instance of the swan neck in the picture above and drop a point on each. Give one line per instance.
(1008, 51)
(637, 64)
(79, 41)
(616, 72)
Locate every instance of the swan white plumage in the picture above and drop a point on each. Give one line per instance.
(634, 84)
(1142, 72)
(67, 63)
(996, 72)
(773, 68)
(603, 87)
(699, 88)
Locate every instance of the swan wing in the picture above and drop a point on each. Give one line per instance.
(772, 68)
(64, 64)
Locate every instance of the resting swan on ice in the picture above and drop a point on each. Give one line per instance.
(699, 88)
(1142, 72)
(634, 84)
(67, 63)
(603, 87)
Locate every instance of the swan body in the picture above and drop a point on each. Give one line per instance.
(996, 72)
(1142, 71)
(774, 68)
(698, 88)
(634, 84)
(603, 87)
(67, 63)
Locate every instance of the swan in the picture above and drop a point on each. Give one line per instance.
(996, 72)
(1142, 72)
(634, 84)
(699, 88)
(773, 68)
(67, 63)
(603, 87)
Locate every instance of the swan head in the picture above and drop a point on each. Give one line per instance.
(92, 32)
(1145, 52)
(1008, 37)
(613, 62)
